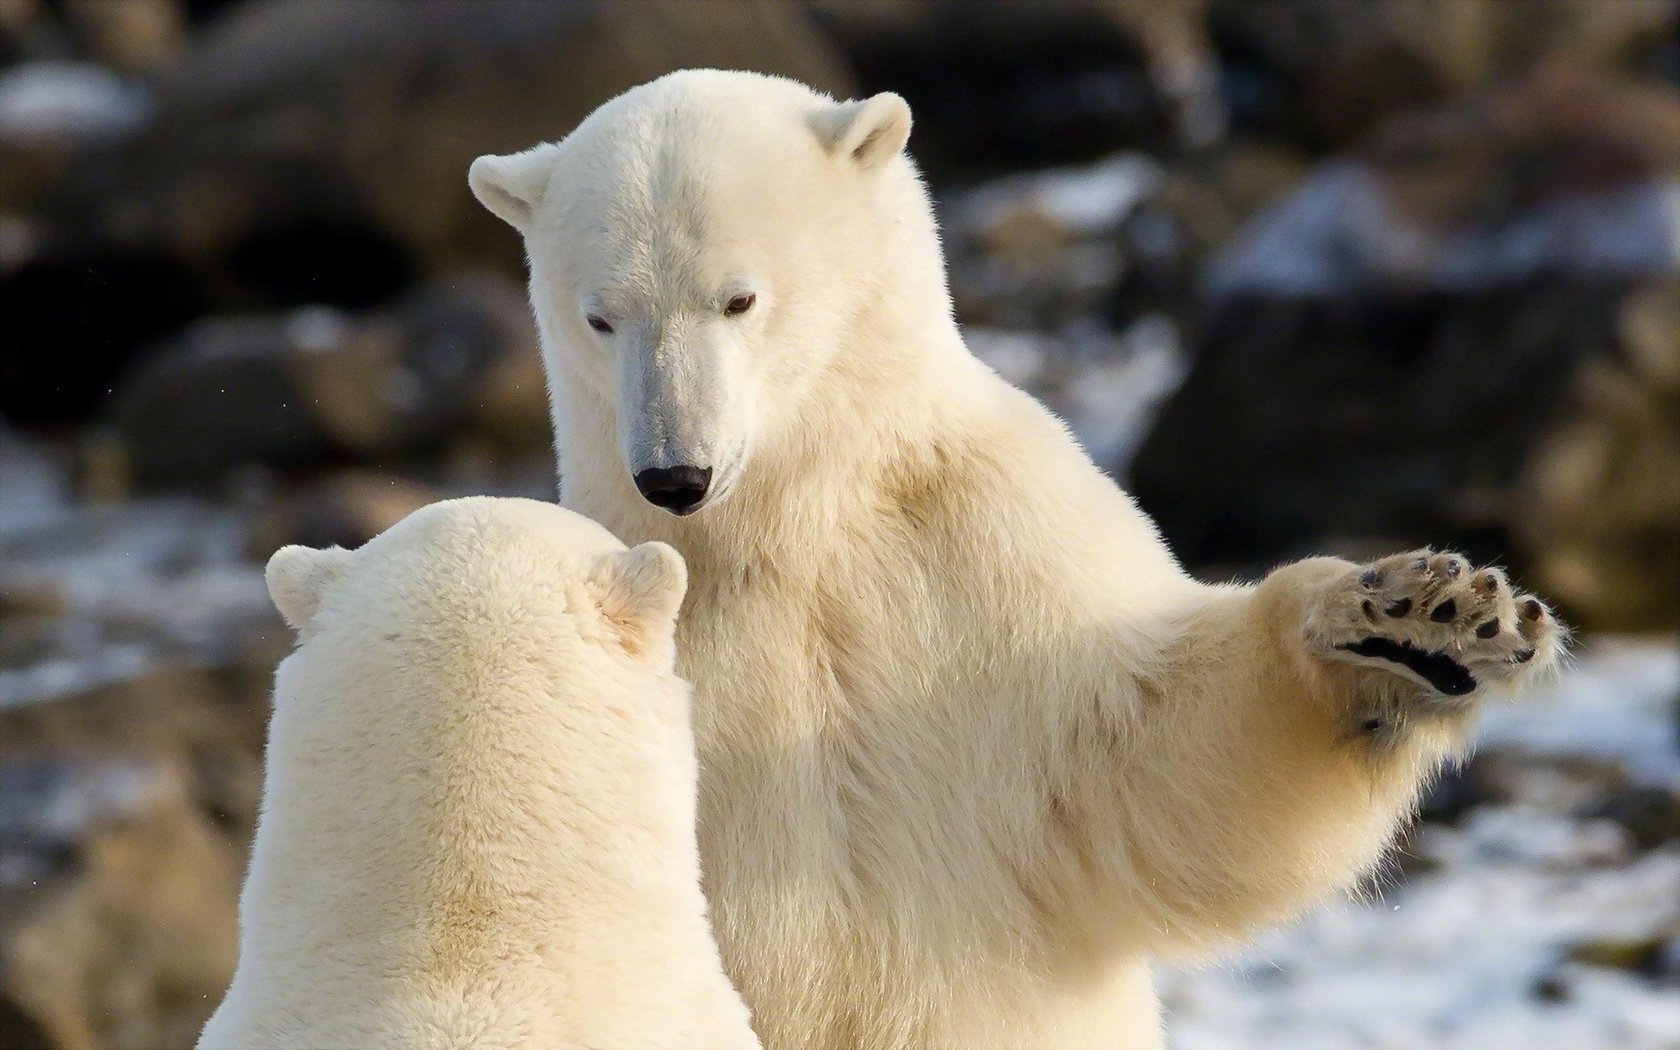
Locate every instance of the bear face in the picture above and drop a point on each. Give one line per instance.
(700, 248)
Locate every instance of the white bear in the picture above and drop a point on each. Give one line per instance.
(974, 748)
(477, 826)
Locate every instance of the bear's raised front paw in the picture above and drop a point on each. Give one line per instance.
(1435, 620)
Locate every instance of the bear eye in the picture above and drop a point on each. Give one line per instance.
(739, 304)
(599, 323)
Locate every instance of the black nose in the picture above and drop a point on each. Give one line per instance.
(679, 490)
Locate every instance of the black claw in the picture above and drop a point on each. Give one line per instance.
(1444, 612)
(1454, 567)
(1400, 608)
(1371, 725)
(1369, 578)
(1488, 629)
(1490, 582)
(1532, 609)
(1420, 565)
(1523, 657)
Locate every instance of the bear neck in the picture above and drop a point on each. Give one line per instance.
(381, 890)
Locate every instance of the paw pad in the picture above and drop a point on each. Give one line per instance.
(1446, 625)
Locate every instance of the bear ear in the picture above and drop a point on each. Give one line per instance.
(512, 186)
(871, 132)
(640, 591)
(298, 576)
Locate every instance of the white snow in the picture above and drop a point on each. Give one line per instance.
(1085, 201)
(1452, 959)
(1338, 233)
(50, 100)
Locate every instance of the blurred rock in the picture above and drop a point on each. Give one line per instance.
(206, 724)
(1105, 384)
(1650, 814)
(1598, 515)
(131, 36)
(1322, 73)
(129, 941)
(1639, 954)
(345, 510)
(1383, 415)
(1043, 249)
(1562, 174)
(74, 323)
(125, 814)
(1341, 376)
(136, 36)
(1590, 787)
(316, 384)
(1481, 780)
(1115, 240)
(308, 153)
(998, 87)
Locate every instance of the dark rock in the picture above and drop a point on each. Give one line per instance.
(1459, 789)
(1321, 73)
(125, 814)
(1306, 417)
(1635, 954)
(130, 944)
(1597, 517)
(1341, 380)
(999, 87)
(76, 321)
(1650, 814)
(191, 720)
(316, 385)
(1552, 988)
(346, 510)
(308, 153)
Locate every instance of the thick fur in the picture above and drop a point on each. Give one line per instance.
(974, 748)
(477, 827)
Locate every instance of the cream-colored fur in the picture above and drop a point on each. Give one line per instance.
(974, 748)
(477, 829)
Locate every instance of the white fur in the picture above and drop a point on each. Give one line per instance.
(478, 821)
(974, 749)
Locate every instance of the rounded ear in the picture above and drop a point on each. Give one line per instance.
(298, 576)
(871, 132)
(512, 186)
(640, 591)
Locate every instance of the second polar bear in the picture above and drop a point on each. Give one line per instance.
(477, 827)
(974, 748)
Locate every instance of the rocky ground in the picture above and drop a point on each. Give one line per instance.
(1306, 275)
(1538, 908)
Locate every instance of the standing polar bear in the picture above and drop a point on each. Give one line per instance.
(477, 828)
(974, 748)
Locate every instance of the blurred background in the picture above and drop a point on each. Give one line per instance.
(1305, 275)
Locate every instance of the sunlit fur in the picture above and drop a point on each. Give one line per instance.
(974, 749)
(477, 828)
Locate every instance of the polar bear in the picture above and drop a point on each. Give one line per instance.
(974, 748)
(477, 827)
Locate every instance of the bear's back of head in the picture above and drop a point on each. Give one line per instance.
(477, 601)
